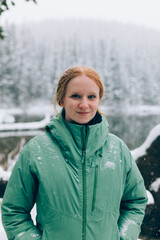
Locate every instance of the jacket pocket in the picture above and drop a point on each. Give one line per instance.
(95, 188)
(60, 226)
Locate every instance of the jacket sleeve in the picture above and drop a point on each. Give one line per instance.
(18, 201)
(133, 201)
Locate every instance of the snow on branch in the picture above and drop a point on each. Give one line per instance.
(25, 126)
(140, 151)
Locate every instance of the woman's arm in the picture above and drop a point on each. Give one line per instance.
(18, 201)
(133, 204)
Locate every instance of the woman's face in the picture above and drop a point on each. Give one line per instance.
(81, 100)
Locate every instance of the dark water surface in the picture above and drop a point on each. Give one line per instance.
(133, 129)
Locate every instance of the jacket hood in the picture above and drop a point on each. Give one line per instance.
(69, 136)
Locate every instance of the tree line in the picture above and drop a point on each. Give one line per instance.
(33, 56)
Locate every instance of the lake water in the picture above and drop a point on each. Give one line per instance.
(133, 129)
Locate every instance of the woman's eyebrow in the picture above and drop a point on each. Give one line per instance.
(77, 92)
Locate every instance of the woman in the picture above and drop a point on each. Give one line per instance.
(83, 180)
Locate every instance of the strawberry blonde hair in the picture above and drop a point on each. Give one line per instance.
(74, 72)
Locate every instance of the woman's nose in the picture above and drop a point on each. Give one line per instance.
(83, 103)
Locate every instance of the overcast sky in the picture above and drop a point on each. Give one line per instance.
(141, 12)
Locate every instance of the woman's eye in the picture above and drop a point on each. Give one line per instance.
(91, 96)
(75, 96)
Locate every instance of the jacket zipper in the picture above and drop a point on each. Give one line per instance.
(95, 188)
(84, 193)
(84, 211)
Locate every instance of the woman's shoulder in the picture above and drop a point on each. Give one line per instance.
(120, 144)
(115, 139)
(40, 141)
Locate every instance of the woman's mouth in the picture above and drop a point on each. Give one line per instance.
(83, 113)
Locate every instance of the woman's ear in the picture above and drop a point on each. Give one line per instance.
(61, 103)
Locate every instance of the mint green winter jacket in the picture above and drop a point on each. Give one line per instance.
(84, 182)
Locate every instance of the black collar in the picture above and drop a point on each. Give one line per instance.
(97, 119)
